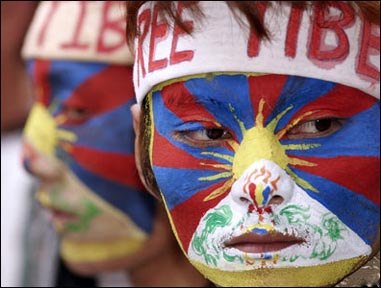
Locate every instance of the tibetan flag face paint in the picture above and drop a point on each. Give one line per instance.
(79, 143)
(268, 179)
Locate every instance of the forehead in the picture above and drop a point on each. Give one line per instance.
(241, 94)
(63, 77)
(225, 88)
(96, 86)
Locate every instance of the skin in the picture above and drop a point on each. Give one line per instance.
(97, 233)
(268, 234)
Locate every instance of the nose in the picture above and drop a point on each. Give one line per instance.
(39, 165)
(263, 185)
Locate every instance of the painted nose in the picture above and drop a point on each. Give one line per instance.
(39, 165)
(263, 184)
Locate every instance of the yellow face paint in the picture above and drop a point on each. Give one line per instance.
(258, 193)
(40, 130)
(265, 226)
(91, 245)
(76, 251)
(301, 276)
(260, 142)
(319, 234)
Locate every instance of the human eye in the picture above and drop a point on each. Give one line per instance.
(315, 128)
(201, 137)
(75, 114)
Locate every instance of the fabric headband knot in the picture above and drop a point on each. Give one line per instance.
(335, 46)
(78, 30)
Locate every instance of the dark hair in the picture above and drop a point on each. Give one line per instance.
(370, 10)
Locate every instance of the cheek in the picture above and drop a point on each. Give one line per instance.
(41, 130)
(179, 178)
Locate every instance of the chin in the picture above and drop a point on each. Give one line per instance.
(94, 268)
(312, 276)
(91, 258)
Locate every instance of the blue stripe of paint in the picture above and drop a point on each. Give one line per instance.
(30, 64)
(354, 210)
(298, 91)
(167, 122)
(185, 181)
(66, 76)
(138, 205)
(267, 256)
(259, 231)
(266, 194)
(221, 92)
(359, 136)
(111, 131)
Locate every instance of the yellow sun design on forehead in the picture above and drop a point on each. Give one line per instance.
(42, 131)
(260, 142)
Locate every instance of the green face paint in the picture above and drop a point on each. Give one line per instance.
(330, 230)
(221, 217)
(89, 213)
(86, 211)
(327, 232)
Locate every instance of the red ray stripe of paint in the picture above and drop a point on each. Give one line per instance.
(267, 87)
(108, 89)
(165, 154)
(183, 104)
(41, 81)
(112, 166)
(186, 216)
(357, 173)
(341, 101)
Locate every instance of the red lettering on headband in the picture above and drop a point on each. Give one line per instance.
(293, 27)
(41, 35)
(109, 25)
(144, 19)
(74, 43)
(322, 23)
(253, 43)
(370, 44)
(185, 55)
(158, 34)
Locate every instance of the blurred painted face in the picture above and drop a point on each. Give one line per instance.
(268, 179)
(79, 143)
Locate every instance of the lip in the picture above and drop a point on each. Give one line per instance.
(62, 215)
(57, 213)
(254, 243)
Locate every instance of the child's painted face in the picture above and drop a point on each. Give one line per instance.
(268, 179)
(79, 143)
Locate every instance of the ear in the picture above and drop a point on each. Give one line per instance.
(136, 113)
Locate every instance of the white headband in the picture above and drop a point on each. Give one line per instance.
(78, 30)
(338, 47)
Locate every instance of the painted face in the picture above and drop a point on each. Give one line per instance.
(79, 143)
(268, 179)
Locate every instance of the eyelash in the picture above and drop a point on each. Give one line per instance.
(75, 115)
(190, 136)
(334, 125)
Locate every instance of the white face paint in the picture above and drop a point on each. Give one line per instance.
(283, 226)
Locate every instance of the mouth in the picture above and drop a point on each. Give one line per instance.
(57, 214)
(254, 243)
(62, 215)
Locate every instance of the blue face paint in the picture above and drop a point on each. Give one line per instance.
(192, 170)
(91, 102)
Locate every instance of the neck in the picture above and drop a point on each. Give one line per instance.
(171, 269)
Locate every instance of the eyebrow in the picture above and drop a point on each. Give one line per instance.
(178, 95)
(181, 101)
